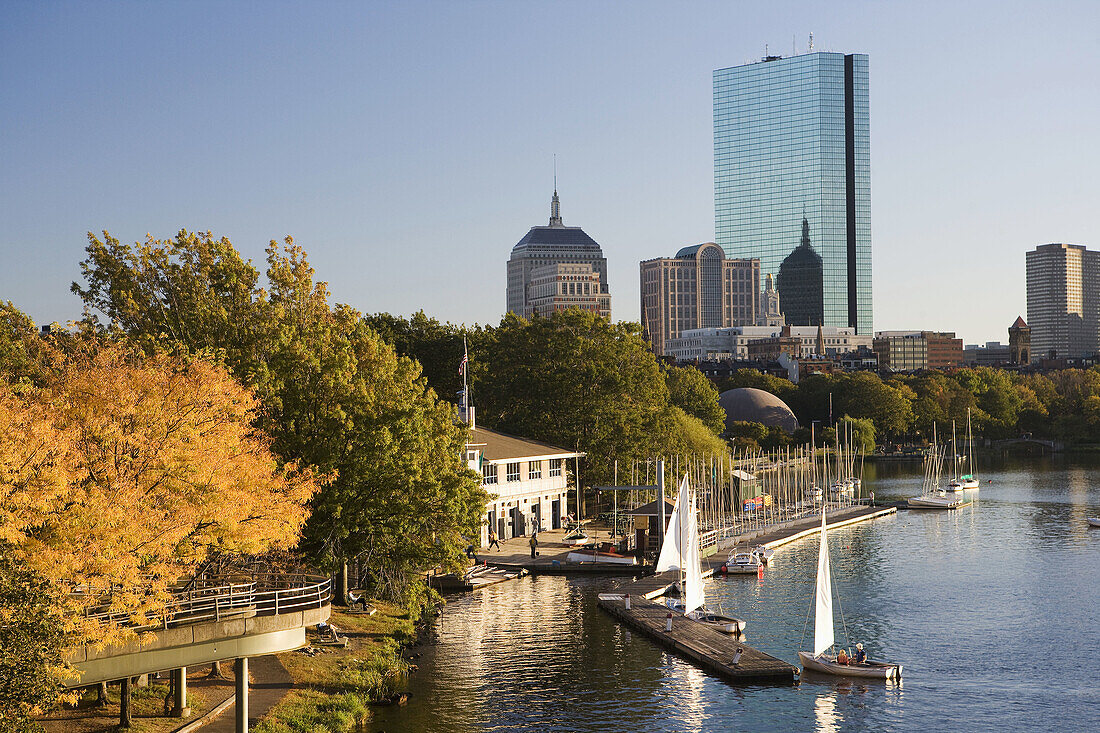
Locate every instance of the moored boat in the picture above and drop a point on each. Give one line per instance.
(1094, 521)
(601, 552)
(719, 621)
(575, 538)
(938, 500)
(742, 563)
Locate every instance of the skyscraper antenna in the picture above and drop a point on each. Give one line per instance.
(811, 41)
(555, 172)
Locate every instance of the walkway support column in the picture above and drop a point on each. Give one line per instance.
(125, 718)
(179, 693)
(240, 671)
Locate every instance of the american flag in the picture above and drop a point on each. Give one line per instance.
(462, 365)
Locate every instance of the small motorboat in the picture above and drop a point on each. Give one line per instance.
(827, 664)
(603, 552)
(742, 563)
(1094, 521)
(763, 554)
(816, 493)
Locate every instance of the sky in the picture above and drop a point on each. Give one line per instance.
(407, 146)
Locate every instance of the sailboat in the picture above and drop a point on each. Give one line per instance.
(968, 480)
(821, 660)
(932, 496)
(680, 552)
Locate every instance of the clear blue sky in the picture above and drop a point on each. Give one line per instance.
(408, 146)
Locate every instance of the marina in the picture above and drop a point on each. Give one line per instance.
(940, 592)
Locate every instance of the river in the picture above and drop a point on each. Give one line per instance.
(993, 609)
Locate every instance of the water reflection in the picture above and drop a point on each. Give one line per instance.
(825, 713)
(956, 597)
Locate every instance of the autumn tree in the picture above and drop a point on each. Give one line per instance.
(123, 474)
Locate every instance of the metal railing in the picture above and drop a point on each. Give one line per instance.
(267, 595)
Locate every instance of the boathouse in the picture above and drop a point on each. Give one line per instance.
(527, 482)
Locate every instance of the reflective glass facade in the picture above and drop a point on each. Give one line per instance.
(792, 141)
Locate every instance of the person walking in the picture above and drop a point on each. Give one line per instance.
(493, 540)
(534, 545)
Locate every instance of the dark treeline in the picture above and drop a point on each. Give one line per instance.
(1063, 405)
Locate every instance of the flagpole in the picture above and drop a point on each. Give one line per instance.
(465, 370)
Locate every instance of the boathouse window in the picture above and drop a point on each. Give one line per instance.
(489, 473)
(534, 469)
(513, 472)
(555, 467)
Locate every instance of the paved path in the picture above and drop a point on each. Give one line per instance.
(271, 684)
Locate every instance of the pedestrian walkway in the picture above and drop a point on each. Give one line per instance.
(271, 683)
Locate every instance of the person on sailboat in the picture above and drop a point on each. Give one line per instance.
(842, 657)
(861, 656)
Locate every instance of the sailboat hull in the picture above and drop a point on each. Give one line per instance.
(871, 669)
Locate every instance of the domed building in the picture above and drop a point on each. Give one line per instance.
(747, 404)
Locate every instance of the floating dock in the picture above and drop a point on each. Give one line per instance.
(710, 649)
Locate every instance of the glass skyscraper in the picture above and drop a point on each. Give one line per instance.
(792, 179)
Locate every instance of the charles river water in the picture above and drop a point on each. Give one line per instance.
(993, 609)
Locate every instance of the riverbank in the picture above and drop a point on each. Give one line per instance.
(334, 686)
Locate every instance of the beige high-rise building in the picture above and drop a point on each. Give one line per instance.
(553, 244)
(698, 288)
(1063, 301)
(563, 286)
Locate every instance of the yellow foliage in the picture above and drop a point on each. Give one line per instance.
(120, 476)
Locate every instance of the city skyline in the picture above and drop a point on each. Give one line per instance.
(382, 140)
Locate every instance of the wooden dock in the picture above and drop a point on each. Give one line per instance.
(710, 649)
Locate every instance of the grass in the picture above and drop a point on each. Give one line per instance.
(146, 705)
(339, 685)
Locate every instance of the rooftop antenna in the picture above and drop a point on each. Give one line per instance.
(555, 172)
(811, 42)
(794, 48)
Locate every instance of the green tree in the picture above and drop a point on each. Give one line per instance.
(864, 395)
(693, 393)
(862, 431)
(31, 639)
(336, 396)
(579, 381)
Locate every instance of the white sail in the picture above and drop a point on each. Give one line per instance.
(823, 618)
(669, 559)
(693, 570)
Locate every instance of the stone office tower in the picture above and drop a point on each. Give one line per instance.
(555, 244)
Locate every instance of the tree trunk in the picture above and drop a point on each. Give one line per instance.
(101, 697)
(340, 594)
(216, 671)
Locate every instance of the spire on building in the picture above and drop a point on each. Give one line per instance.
(768, 287)
(805, 232)
(555, 208)
(820, 338)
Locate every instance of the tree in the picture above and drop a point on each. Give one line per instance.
(579, 381)
(862, 430)
(121, 475)
(864, 395)
(31, 668)
(336, 397)
(693, 393)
